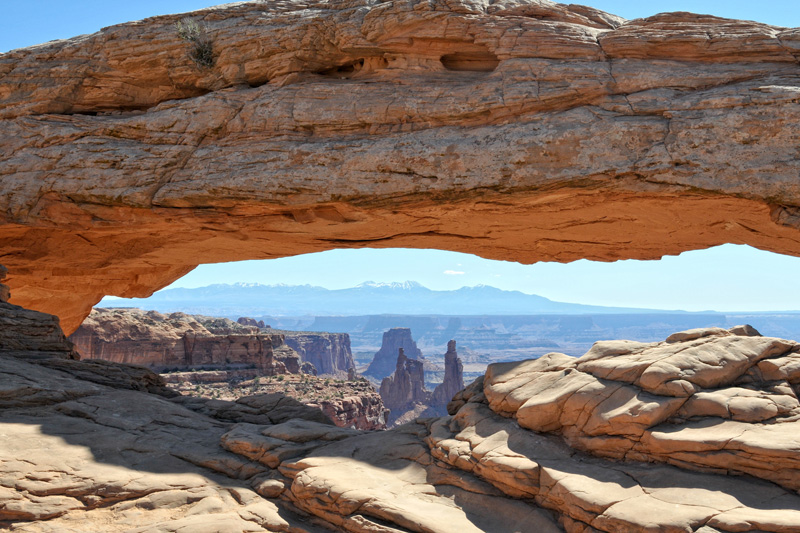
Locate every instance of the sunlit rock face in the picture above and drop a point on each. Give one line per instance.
(696, 433)
(178, 341)
(514, 130)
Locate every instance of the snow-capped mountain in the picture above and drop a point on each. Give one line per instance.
(409, 297)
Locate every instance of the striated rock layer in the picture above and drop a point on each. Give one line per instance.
(695, 434)
(516, 130)
(181, 342)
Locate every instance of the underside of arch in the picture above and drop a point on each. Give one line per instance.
(523, 132)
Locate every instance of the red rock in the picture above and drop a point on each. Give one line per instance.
(181, 342)
(525, 132)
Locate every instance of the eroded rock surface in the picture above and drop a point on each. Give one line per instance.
(555, 444)
(522, 131)
(709, 399)
(218, 359)
(328, 352)
(182, 342)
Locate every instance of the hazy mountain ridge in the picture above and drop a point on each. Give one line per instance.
(408, 297)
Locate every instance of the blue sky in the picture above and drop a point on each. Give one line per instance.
(727, 278)
(29, 22)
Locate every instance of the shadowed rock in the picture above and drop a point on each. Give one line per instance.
(405, 389)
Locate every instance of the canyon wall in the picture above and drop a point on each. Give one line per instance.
(181, 342)
(328, 352)
(522, 131)
(178, 340)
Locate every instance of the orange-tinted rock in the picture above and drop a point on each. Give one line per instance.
(522, 132)
(181, 342)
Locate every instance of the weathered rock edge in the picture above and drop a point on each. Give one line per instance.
(522, 131)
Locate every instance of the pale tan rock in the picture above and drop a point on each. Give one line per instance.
(441, 125)
(678, 402)
(79, 453)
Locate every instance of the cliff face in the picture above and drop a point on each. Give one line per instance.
(178, 341)
(453, 378)
(328, 352)
(385, 359)
(523, 131)
(405, 390)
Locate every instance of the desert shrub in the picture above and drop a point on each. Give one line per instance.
(202, 52)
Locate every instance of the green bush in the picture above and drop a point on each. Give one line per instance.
(202, 52)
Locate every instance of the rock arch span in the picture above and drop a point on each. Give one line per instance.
(519, 131)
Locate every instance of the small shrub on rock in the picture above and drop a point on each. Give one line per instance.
(202, 52)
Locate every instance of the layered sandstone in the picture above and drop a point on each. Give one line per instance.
(385, 360)
(709, 399)
(247, 321)
(522, 131)
(181, 342)
(88, 448)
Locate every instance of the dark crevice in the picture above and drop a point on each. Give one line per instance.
(351, 68)
(470, 61)
(131, 110)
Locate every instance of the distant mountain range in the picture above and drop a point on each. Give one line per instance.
(408, 298)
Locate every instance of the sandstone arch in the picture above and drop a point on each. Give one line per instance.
(123, 165)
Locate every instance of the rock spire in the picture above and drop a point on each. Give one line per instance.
(453, 378)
